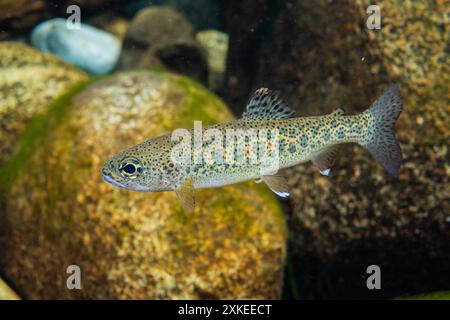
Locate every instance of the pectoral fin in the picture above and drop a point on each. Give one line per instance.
(186, 195)
(325, 160)
(277, 184)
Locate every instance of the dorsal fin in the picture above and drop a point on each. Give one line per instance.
(265, 104)
(337, 112)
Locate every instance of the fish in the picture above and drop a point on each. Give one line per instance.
(267, 138)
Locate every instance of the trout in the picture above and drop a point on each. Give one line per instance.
(265, 139)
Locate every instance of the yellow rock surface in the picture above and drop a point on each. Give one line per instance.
(29, 81)
(129, 244)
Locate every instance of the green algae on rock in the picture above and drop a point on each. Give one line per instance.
(29, 81)
(130, 244)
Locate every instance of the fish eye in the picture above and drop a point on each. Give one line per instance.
(130, 167)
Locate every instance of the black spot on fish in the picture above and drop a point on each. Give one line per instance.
(304, 141)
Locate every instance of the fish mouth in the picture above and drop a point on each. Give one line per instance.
(113, 182)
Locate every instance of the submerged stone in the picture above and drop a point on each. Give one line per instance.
(161, 37)
(91, 49)
(128, 244)
(29, 81)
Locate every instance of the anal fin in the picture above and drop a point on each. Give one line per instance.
(186, 195)
(325, 160)
(325, 172)
(278, 184)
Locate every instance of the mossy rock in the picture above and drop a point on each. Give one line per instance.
(59, 212)
(29, 81)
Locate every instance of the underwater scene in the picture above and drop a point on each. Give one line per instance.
(224, 149)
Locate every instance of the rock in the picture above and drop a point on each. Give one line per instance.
(29, 81)
(320, 55)
(89, 48)
(132, 245)
(215, 44)
(160, 37)
(6, 293)
(203, 14)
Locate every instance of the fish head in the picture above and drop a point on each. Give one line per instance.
(144, 167)
(126, 172)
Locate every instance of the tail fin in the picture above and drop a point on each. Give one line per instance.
(381, 140)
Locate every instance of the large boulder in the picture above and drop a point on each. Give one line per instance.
(203, 14)
(58, 211)
(29, 81)
(320, 55)
(161, 37)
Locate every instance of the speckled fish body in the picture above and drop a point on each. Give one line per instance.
(150, 166)
(299, 140)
